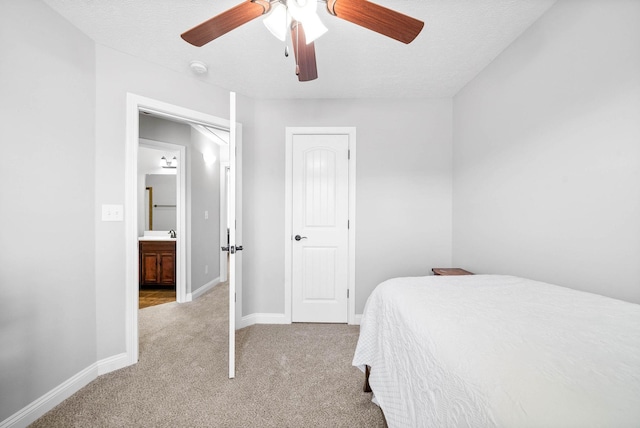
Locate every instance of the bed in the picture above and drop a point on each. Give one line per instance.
(500, 351)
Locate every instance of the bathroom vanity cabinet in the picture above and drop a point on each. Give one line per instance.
(157, 263)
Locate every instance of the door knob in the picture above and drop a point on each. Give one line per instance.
(233, 249)
(225, 248)
(298, 237)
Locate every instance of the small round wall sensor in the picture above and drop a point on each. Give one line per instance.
(198, 67)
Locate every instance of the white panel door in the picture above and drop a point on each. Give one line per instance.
(320, 204)
(233, 244)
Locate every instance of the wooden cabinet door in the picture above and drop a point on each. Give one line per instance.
(167, 268)
(149, 268)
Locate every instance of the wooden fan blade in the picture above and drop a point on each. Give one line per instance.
(377, 18)
(229, 20)
(306, 67)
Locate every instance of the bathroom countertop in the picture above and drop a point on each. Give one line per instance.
(156, 238)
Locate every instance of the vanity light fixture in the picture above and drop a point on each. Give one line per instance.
(166, 163)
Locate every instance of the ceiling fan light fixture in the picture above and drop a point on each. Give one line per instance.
(305, 11)
(278, 21)
(302, 9)
(313, 28)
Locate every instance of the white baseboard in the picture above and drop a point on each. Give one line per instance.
(114, 363)
(200, 291)
(57, 395)
(262, 319)
(66, 389)
(276, 319)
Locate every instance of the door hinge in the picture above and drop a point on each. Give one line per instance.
(347, 293)
(235, 297)
(348, 224)
(349, 154)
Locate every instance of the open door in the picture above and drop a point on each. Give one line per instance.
(234, 247)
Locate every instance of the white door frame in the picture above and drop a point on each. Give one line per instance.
(181, 209)
(288, 206)
(135, 104)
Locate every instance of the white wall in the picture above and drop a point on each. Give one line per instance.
(47, 111)
(205, 198)
(403, 199)
(547, 153)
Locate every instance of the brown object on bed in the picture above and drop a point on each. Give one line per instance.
(450, 271)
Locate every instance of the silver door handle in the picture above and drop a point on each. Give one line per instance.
(298, 237)
(232, 249)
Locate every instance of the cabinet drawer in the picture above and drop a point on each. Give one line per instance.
(157, 246)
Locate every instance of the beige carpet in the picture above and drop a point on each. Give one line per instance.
(296, 375)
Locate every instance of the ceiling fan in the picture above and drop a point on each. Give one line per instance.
(299, 17)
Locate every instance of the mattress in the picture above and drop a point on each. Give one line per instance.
(500, 351)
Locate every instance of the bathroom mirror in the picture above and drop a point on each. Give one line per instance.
(160, 202)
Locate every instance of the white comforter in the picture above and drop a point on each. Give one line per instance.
(488, 350)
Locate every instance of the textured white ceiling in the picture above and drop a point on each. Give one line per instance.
(460, 38)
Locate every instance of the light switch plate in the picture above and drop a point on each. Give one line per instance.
(112, 213)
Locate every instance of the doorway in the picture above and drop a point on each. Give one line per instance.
(320, 225)
(161, 227)
(135, 105)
